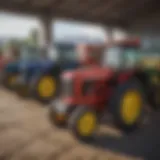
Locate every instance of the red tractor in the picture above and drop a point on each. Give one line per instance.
(113, 87)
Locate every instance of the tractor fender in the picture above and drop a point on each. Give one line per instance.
(53, 69)
(50, 70)
(125, 76)
(122, 86)
(35, 68)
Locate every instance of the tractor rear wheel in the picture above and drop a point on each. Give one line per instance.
(127, 105)
(83, 123)
(9, 80)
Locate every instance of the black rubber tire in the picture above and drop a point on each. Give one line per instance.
(22, 92)
(74, 118)
(115, 106)
(5, 80)
(155, 99)
(34, 85)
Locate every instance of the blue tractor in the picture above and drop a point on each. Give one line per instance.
(9, 74)
(9, 70)
(28, 55)
(40, 78)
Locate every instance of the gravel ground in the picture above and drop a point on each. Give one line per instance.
(26, 134)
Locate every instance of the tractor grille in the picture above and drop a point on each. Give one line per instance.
(88, 87)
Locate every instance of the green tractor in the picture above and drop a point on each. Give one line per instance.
(150, 66)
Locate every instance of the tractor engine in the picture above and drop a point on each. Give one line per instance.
(85, 88)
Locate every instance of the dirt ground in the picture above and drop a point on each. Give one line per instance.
(26, 134)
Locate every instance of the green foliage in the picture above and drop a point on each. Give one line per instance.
(33, 37)
(31, 40)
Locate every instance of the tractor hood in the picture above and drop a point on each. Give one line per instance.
(92, 73)
(35, 65)
(12, 67)
(150, 62)
(68, 65)
(30, 68)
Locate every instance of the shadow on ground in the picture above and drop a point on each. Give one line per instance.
(144, 143)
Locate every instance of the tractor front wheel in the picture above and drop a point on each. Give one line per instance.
(45, 87)
(83, 123)
(9, 80)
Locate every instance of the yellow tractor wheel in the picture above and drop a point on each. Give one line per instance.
(127, 105)
(131, 106)
(83, 123)
(10, 81)
(45, 88)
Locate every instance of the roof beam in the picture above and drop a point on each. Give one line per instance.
(117, 12)
(107, 7)
(81, 8)
(135, 10)
(19, 8)
(41, 3)
(147, 11)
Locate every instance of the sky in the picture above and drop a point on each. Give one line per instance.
(19, 26)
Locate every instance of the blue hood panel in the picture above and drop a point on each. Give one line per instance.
(36, 64)
(12, 67)
(70, 65)
(29, 68)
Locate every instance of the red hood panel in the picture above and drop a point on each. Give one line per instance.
(95, 73)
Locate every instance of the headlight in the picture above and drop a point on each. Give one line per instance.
(59, 106)
(67, 76)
